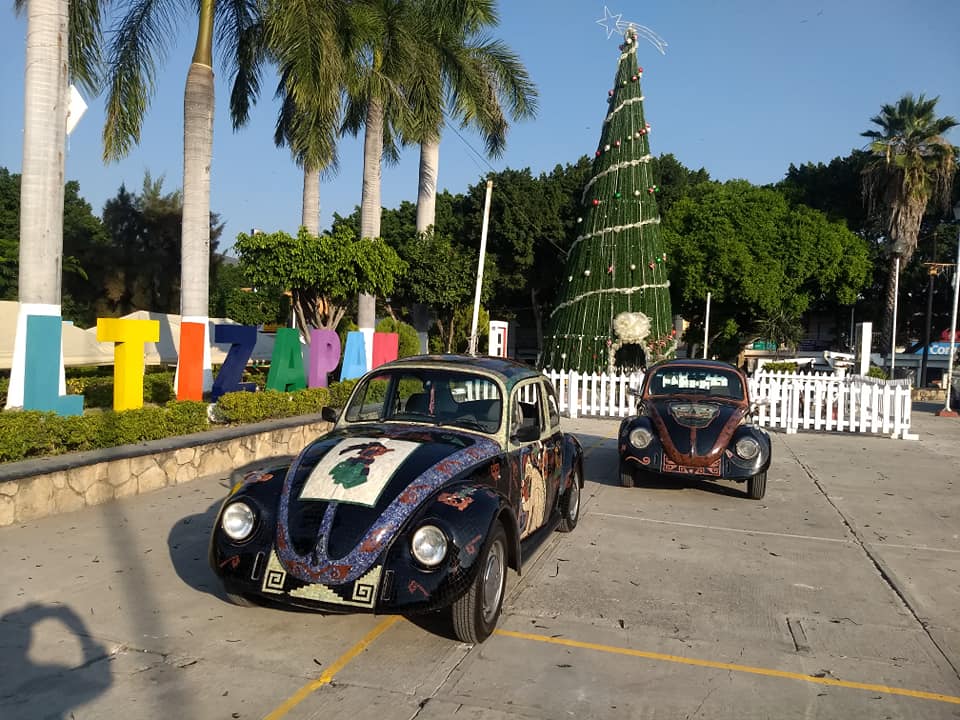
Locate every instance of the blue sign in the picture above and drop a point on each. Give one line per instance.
(936, 348)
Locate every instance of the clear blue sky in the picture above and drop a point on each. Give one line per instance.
(746, 87)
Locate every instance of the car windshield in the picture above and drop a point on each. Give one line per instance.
(434, 396)
(714, 382)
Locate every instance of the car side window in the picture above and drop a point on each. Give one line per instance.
(526, 407)
(553, 407)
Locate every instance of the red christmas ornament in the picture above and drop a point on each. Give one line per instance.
(598, 153)
(617, 143)
(610, 93)
(652, 264)
(610, 270)
(595, 202)
(639, 70)
(634, 78)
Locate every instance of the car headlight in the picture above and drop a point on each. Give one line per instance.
(747, 448)
(429, 545)
(238, 521)
(640, 438)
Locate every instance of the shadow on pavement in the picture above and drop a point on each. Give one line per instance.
(189, 538)
(29, 689)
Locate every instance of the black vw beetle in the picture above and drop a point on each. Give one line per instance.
(417, 500)
(695, 418)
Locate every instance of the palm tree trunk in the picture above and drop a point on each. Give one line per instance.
(41, 182)
(427, 191)
(890, 300)
(370, 202)
(426, 218)
(311, 201)
(198, 101)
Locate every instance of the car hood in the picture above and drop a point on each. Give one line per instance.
(695, 432)
(347, 494)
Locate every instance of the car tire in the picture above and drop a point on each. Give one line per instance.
(626, 475)
(240, 600)
(570, 505)
(757, 486)
(476, 613)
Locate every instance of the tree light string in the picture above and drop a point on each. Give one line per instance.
(613, 168)
(620, 107)
(616, 229)
(605, 291)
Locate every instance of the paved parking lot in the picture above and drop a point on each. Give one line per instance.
(835, 596)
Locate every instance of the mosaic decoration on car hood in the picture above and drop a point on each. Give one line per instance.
(317, 566)
(356, 470)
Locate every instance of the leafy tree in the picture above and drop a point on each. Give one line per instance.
(442, 275)
(84, 243)
(142, 264)
(912, 165)
(321, 272)
(674, 180)
(759, 256)
(233, 298)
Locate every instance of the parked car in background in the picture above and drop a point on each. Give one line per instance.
(417, 500)
(694, 418)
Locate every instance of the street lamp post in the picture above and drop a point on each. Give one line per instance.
(946, 411)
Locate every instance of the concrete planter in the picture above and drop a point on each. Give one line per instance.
(32, 489)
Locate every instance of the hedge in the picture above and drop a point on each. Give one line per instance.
(31, 433)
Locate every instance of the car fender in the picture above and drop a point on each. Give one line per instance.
(466, 513)
(261, 488)
(766, 450)
(572, 460)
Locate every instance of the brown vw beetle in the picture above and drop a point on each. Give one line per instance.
(438, 475)
(695, 419)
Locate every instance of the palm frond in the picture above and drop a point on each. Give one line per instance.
(141, 35)
(85, 53)
(240, 31)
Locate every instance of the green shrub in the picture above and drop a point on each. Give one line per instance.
(29, 433)
(4, 387)
(782, 367)
(409, 341)
(876, 372)
(97, 391)
(340, 392)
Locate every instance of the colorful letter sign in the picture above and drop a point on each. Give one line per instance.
(42, 381)
(129, 336)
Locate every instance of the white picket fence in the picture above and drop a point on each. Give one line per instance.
(822, 401)
(789, 401)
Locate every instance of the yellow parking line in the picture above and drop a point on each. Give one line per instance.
(731, 666)
(329, 673)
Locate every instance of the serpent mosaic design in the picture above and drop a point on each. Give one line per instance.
(318, 567)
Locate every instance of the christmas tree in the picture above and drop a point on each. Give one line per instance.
(613, 307)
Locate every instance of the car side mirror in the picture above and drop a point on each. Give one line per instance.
(526, 433)
(329, 414)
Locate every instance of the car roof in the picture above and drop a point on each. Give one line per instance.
(693, 362)
(510, 370)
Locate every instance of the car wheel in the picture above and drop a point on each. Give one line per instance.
(476, 613)
(570, 505)
(626, 475)
(757, 486)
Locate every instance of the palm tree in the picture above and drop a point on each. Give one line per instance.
(308, 43)
(142, 34)
(475, 75)
(468, 77)
(384, 50)
(62, 44)
(913, 165)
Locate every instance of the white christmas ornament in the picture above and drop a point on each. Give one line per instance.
(587, 273)
(632, 266)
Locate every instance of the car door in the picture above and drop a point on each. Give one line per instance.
(552, 439)
(526, 431)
